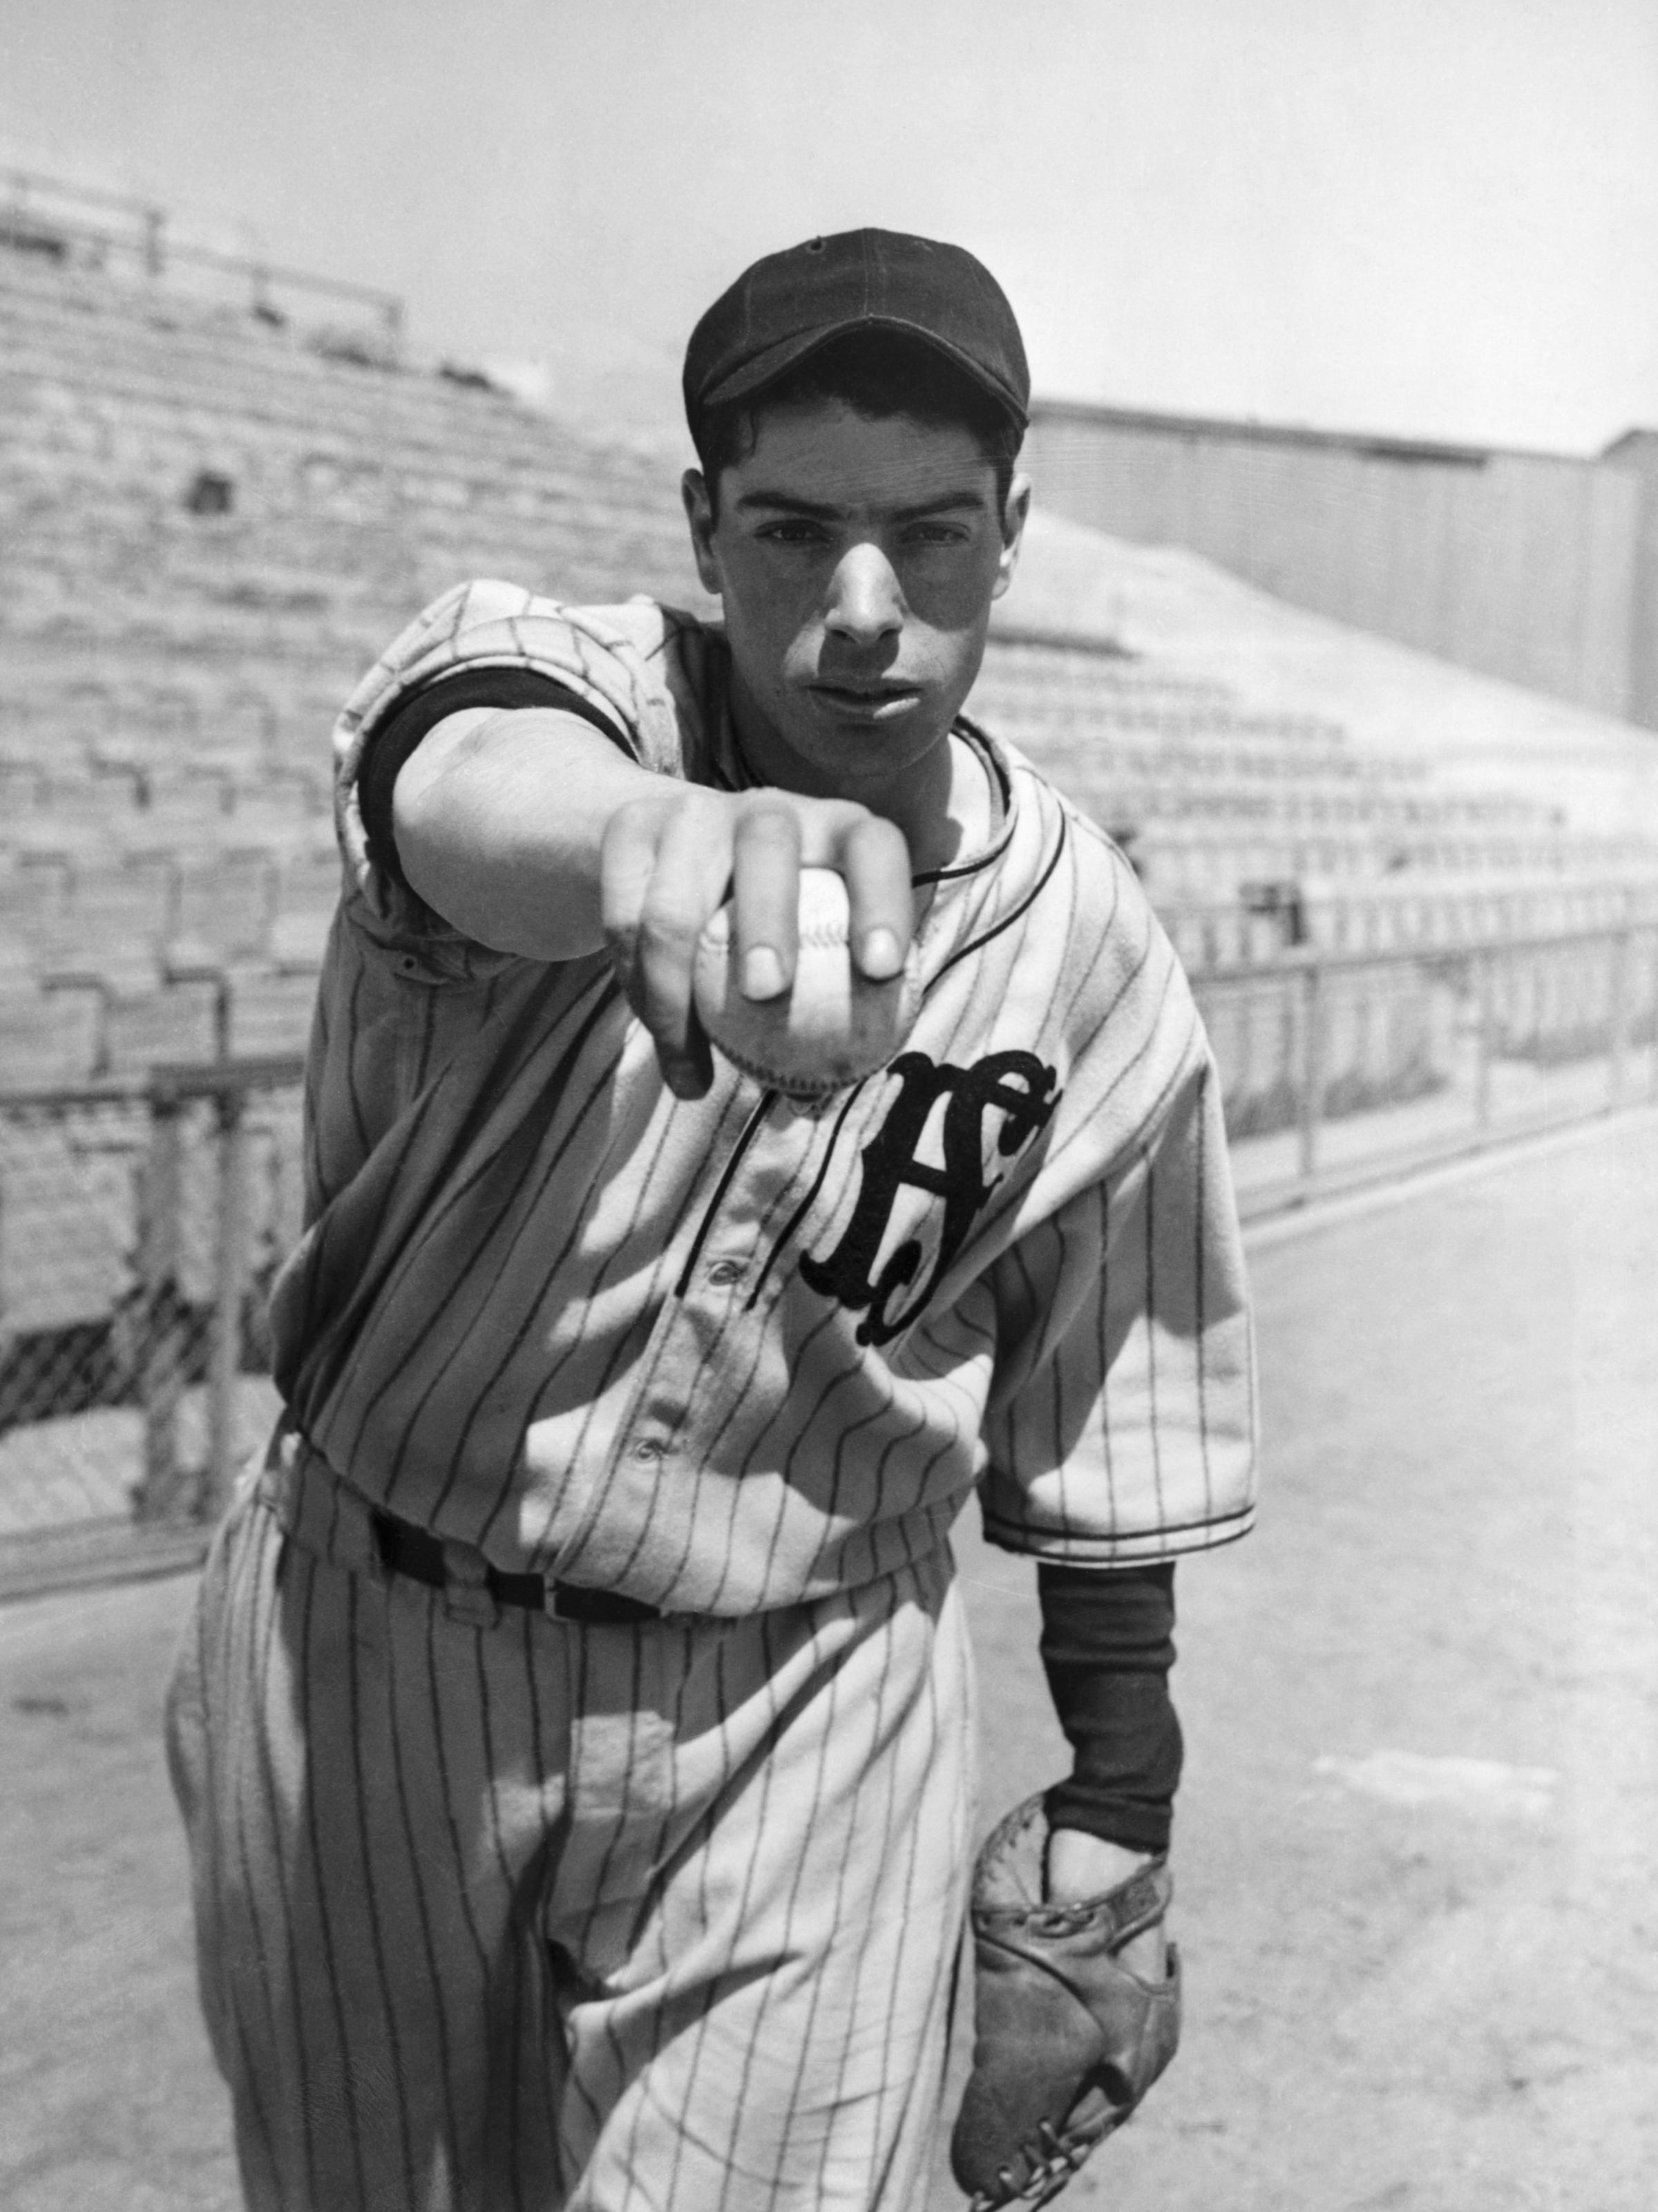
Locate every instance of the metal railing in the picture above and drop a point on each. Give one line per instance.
(141, 1223)
(30, 220)
(1347, 1068)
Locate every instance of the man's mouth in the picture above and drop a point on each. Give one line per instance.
(880, 701)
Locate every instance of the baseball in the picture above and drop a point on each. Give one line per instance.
(833, 1027)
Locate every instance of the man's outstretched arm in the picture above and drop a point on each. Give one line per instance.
(532, 834)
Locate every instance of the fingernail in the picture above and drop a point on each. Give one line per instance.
(763, 974)
(880, 953)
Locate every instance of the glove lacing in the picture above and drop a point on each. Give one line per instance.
(1053, 2163)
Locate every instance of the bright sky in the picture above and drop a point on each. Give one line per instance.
(1437, 217)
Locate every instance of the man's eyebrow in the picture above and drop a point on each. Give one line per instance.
(811, 510)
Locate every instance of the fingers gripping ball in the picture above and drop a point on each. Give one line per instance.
(1067, 2040)
(833, 1026)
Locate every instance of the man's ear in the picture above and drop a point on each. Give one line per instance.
(699, 513)
(1015, 514)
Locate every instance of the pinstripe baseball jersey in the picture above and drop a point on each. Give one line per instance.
(726, 1354)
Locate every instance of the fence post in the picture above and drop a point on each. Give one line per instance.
(163, 1347)
(1312, 1069)
(225, 1345)
(1484, 1015)
(1620, 986)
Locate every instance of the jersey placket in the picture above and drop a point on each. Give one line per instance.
(700, 1351)
(711, 1302)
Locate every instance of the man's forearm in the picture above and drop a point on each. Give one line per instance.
(529, 832)
(500, 820)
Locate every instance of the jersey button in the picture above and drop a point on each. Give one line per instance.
(724, 1270)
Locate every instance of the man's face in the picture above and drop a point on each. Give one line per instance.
(857, 560)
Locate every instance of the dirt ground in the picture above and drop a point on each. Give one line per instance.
(1417, 1840)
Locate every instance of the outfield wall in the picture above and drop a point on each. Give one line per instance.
(1526, 566)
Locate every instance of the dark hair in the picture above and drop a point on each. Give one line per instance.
(877, 373)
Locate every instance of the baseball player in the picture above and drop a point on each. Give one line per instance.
(575, 1732)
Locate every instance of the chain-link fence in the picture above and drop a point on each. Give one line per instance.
(140, 1228)
(141, 1225)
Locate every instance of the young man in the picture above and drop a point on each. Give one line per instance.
(576, 1738)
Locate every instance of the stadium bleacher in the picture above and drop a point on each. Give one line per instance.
(209, 526)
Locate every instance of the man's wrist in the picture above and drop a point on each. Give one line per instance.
(1082, 1867)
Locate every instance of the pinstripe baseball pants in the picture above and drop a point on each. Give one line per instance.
(518, 1913)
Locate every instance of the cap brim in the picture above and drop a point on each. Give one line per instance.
(776, 360)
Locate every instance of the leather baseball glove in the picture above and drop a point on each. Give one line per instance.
(1067, 2039)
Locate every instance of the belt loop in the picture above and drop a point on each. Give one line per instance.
(467, 1596)
(279, 1476)
(322, 1515)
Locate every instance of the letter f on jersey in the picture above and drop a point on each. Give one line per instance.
(1018, 1084)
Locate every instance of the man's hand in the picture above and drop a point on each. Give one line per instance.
(673, 854)
(1081, 1867)
(528, 831)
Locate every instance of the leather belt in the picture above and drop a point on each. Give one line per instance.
(404, 1549)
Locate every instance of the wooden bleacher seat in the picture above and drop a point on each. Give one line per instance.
(49, 1037)
(187, 799)
(308, 884)
(226, 902)
(298, 942)
(110, 929)
(178, 1021)
(17, 970)
(33, 893)
(19, 786)
(276, 810)
(268, 1010)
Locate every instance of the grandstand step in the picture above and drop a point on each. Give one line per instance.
(268, 1012)
(180, 1020)
(225, 901)
(49, 1038)
(300, 940)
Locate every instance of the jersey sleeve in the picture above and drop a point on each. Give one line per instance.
(612, 664)
(1121, 1424)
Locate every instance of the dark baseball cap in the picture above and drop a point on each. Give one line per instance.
(791, 305)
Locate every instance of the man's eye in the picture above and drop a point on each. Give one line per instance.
(937, 533)
(792, 533)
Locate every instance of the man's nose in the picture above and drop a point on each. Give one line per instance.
(866, 602)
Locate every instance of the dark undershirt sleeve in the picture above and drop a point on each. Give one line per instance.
(1107, 1645)
(390, 745)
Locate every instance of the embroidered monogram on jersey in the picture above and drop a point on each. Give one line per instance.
(1017, 1086)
